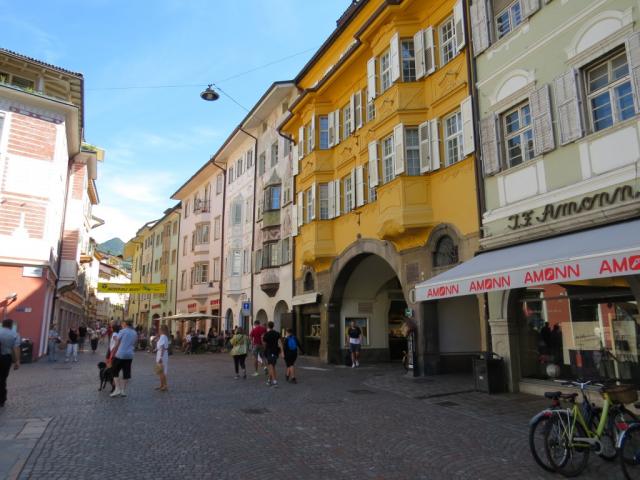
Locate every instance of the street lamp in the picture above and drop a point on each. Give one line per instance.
(210, 95)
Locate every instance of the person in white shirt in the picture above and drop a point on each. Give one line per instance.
(162, 356)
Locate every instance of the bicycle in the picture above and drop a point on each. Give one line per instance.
(629, 449)
(570, 436)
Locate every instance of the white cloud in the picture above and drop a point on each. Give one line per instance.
(122, 223)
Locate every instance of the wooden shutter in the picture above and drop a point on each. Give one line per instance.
(331, 130)
(299, 208)
(633, 57)
(529, 7)
(458, 22)
(540, 103)
(394, 55)
(359, 186)
(336, 187)
(313, 132)
(429, 52)
(294, 220)
(435, 145)
(373, 164)
(398, 148)
(352, 194)
(336, 127)
(418, 47)
(371, 79)
(331, 199)
(424, 135)
(356, 110)
(300, 142)
(468, 139)
(479, 26)
(567, 100)
(489, 145)
(313, 201)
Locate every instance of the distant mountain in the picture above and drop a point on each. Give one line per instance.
(113, 246)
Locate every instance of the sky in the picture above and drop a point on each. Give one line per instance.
(156, 136)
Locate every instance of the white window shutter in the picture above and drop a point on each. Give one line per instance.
(331, 129)
(352, 107)
(295, 163)
(458, 22)
(359, 108)
(359, 186)
(429, 53)
(479, 26)
(373, 164)
(468, 139)
(568, 107)
(540, 103)
(300, 207)
(529, 7)
(313, 132)
(313, 201)
(336, 127)
(275, 261)
(489, 145)
(398, 148)
(300, 143)
(633, 58)
(435, 145)
(394, 55)
(331, 199)
(336, 186)
(424, 135)
(371, 79)
(352, 194)
(294, 220)
(418, 47)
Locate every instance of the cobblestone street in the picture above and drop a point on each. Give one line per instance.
(368, 423)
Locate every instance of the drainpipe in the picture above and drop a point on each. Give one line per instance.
(224, 198)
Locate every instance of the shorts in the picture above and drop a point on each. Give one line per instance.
(290, 358)
(272, 358)
(257, 350)
(123, 364)
(354, 347)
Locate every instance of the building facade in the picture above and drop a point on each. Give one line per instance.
(385, 187)
(140, 250)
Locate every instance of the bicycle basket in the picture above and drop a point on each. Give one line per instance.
(622, 393)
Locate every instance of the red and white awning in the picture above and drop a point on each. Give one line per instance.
(609, 251)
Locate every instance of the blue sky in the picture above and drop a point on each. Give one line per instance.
(156, 138)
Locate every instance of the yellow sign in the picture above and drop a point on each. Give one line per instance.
(105, 287)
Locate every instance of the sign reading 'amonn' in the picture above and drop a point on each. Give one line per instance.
(158, 288)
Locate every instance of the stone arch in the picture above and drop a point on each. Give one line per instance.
(228, 319)
(262, 317)
(280, 315)
(515, 81)
(438, 233)
(309, 283)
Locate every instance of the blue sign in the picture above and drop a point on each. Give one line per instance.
(246, 305)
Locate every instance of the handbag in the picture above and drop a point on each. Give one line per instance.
(158, 368)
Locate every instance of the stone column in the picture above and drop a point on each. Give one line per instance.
(504, 338)
(428, 344)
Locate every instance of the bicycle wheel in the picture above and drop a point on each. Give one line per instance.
(539, 431)
(567, 456)
(630, 452)
(609, 436)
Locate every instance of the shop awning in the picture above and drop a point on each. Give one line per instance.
(608, 251)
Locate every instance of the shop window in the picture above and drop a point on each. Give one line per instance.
(446, 252)
(308, 284)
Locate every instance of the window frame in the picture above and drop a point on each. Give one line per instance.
(412, 61)
(347, 187)
(458, 136)
(387, 159)
(518, 133)
(346, 121)
(274, 153)
(272, 198)
(308, 205)
(512, 23)
(385, 73)
(323, 201)
(412, 170)
(450, 42)
(323, 136)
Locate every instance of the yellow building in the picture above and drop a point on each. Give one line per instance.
(140, 251)
(385, 182)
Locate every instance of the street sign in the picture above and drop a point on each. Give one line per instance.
(246, 306)
(159, 288)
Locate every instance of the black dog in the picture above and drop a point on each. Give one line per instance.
(106, 376)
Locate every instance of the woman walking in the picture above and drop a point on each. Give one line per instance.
(240, 344)
(291, 346)
(72, 345)
(162, 357)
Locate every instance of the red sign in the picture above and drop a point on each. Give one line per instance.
(192, 307)
(214, 302)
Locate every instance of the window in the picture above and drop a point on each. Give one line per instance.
(262, 160)
(518, 135)
(508, 19)
(184, 245)
(412, 151)
(387, 159)
(286, 147)
(239, 167)
(216, 269)
(609, 91)
(216, 227)
(270, 255)
(201, 272)
(174, 256)
(156, 264)
(308, 137)
(274, 154)
(249, 157)
(308, 284)
(202, 233)
(246, 261)
(236, 262)
(346, 122)
(446, 252)
(357, 105)
(309, 205)
(453, 138)
(272, 198)
(385, 71)
(175, 228)
(447, 41)
(230, 173)
(408, 61)
(236, 213)
(248, 206)
(286, 251)
(348, 193)
(183, 280)
(323, 193)
(371, 108)
(219, 181)
(186, 209)
(324, 132)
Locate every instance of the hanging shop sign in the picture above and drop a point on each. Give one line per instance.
(192, 307)
(157, 288)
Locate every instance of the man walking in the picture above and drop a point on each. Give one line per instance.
(355, 341)
(123, 357)
(9, 352)
(257, 348)
(272, 343)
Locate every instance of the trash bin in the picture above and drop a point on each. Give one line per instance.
(26, 351)
(488, 373)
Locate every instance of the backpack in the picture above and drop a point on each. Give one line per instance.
(292, 344)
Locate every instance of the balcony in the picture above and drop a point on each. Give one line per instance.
(270, 219)
(317, 242)
(270, 280)
(202, 207)
(204, 289)
(404, 208)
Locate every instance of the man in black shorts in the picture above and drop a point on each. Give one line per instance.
(123, 356)
(272, 343)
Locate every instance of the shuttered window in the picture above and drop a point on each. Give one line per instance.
(385, 71)
(518, 135)
(346, 122)
(447, 41)
(387, 159)
(412, 151)
(347, 183)
(309, 205)
(453, 138)
(408, 60)
(371, 108)
(508, 19)
(324, 132)
(323, 197)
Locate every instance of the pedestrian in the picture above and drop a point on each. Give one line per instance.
(291, 346)
(82, 335)
(9, 353)
(94, 336)
(355, 341)
(72, 345)
(162, 357)
(123, 357)
(272, 342)
(240, 344)
(113, 340)
(52, 344)
(257, 349)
